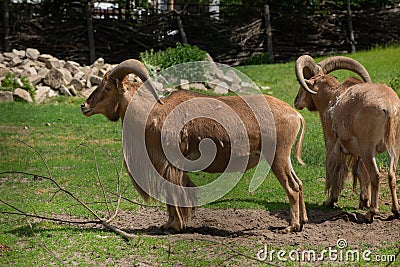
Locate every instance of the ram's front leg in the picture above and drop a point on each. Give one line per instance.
(181, 202)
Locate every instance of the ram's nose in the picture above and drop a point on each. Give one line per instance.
(85, 108)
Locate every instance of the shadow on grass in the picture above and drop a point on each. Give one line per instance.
(202, 230)
(25, 231)
(38, 228)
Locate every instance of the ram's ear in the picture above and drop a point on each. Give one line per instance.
(119, 85)
(310, 82)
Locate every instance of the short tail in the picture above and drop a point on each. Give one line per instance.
(390, 132)
(299, 143)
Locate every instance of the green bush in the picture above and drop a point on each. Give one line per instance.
(156, 61)
(10, 83)
(258, 59)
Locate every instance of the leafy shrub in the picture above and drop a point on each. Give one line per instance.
(258, 59)
(10, 83)
(160, 60)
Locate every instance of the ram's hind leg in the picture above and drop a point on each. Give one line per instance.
(374, 176)
(302, 204)
(281, 167)
(393, 161)
(360, 174)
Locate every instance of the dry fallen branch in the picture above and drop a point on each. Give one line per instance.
(43, 245)
(98, 176)
(98, 219)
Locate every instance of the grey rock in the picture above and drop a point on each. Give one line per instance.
(95, 80)
(22, 94)
(41, 93)
(6, 96)
(32, 53)
(64, 91)
(54, 78)
(19, 53)
(53, 63)
(77, 84)
(221, 88)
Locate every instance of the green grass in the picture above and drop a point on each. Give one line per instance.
(58, 130)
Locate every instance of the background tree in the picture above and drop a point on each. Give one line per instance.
(6, 27)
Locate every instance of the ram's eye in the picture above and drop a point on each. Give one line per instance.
(108, 88)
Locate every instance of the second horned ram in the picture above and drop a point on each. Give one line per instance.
(360, 119)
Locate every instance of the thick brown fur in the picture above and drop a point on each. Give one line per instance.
(112, 101)
(359, 120)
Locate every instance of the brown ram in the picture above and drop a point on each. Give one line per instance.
(111, 99)
(360, 119)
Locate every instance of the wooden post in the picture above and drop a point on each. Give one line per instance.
(89, 23)
(171, 5)
(6, 26)
(268, 30)
(350, 28)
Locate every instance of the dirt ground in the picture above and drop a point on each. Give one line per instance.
(258, 228)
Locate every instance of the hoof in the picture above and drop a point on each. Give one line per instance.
(329, 204)
(396, 214)
(170, 228)
(303, 221)
(369, 217)
(364, 204)
(292, 229)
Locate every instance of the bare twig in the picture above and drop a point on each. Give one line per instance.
(396, 256)
(102, 222)
(40, 155)
(134, 202)
(98, 220)
(43, 245)
(118, 182)
(58, 185)
(21, 212)
(98, 176)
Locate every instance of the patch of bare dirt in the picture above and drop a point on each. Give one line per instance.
(226, 233)
(244, 226)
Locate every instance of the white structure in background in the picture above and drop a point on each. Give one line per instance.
(99, 8)
(162, 6)
(214, 9)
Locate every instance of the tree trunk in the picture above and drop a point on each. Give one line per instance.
(127, 9)
(268, 30)
(92, 52)
(6, 26)
(350, 28)
(181, 30)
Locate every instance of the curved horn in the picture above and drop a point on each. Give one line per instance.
(339, 63)
(305, 69)
(136, 67)
(130, 66)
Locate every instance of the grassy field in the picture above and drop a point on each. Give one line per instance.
(81, 152)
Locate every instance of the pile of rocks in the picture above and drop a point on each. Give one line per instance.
(49, 75)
